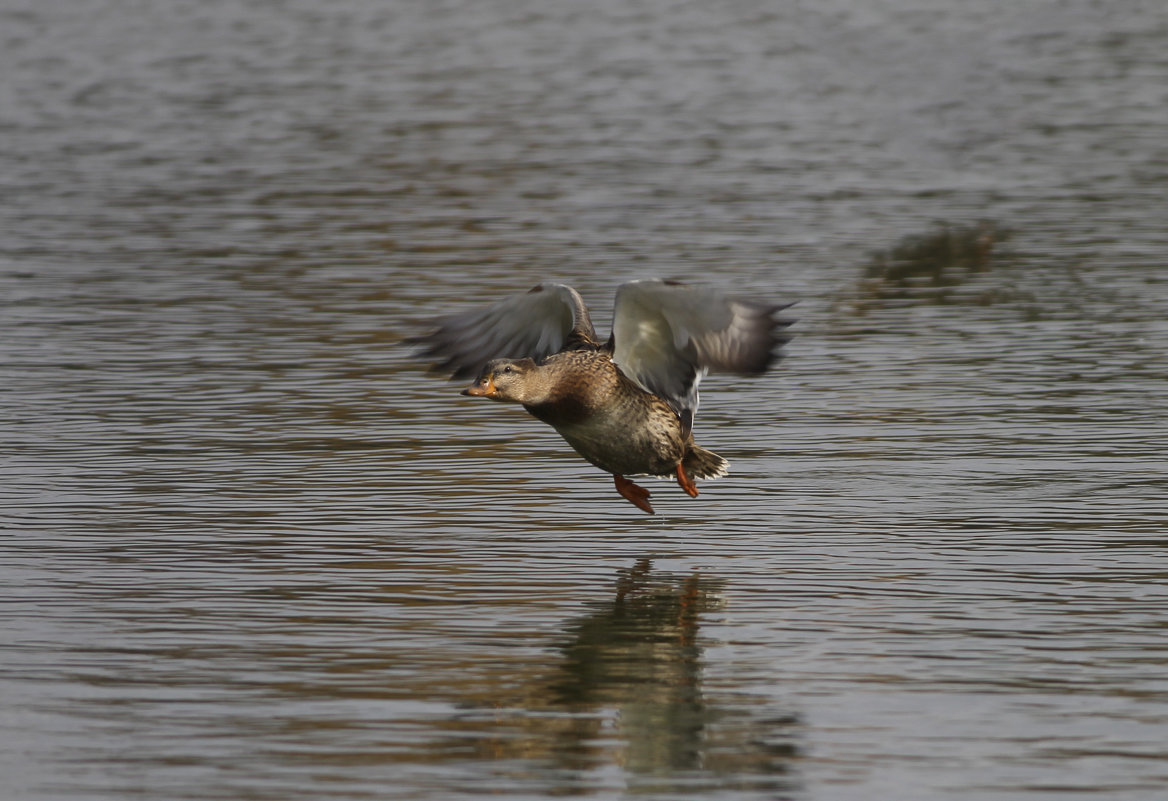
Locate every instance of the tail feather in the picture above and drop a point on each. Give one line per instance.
(701, 463)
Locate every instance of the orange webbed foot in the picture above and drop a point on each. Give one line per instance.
(686, 483)
(636, 495)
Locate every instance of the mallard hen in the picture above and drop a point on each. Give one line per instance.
(627, 404)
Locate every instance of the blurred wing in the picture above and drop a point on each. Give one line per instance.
(666, 336)
(534, 325)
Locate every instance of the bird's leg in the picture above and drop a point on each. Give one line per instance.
(637, 496)
(685, 482)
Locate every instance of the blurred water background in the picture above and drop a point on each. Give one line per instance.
(251, 550)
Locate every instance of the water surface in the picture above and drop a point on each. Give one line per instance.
(251, 550)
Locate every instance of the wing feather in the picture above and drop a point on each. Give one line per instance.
(667, 336)
(533, 325)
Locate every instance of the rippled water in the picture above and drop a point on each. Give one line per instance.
(251, 550)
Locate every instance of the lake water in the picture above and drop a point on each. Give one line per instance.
(250, 549)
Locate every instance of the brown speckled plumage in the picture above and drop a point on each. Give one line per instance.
(626, 407)
(607, 418)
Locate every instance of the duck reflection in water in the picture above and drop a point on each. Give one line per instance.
(627, 404)
(628, 691)
(637, 654)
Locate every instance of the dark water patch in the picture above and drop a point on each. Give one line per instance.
(927, 268)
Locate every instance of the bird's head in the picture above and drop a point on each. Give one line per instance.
(504, 380)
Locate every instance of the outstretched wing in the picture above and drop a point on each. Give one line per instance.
(534, 325)
(666, 336)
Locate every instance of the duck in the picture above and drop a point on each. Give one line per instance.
(626, 404)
